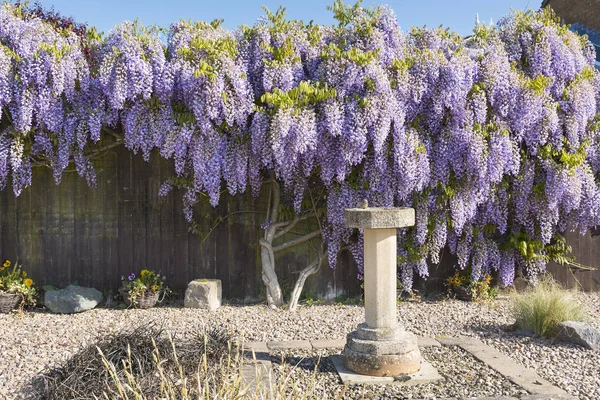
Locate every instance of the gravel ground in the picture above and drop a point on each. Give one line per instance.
(464, 376)
(36, 341)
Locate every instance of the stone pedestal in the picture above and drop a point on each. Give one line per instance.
(381, 346)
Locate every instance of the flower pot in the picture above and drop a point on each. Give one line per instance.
(148, 299)
(9, 301)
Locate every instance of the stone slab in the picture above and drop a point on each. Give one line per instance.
(426, 374)
(257, 378)
(328, 344)
(379, 217)
(516, 373)
(258, 347)
(289, 345)
(425, 341)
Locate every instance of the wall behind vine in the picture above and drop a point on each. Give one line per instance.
(69, 233)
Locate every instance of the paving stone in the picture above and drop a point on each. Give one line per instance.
(257, 377)
(427, 374)
(424, 341)
(328, 344)
(515, 372)
(255, 346)
(289, 345)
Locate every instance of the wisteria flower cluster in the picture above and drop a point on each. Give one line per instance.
(493, 139)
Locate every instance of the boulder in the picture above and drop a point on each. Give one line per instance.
(203, 293)
(72, 299)
(579, 333)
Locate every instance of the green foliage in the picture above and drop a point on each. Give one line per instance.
(92, 34)
(147, 282)
(341, 299)
(9, 52)
(545, 15)
(336, 52)
(301, 96)
(543, 307)
(15, 281)
(538, 84)
(483, 32)
(279, 24)
(205, 51)
(344, 13)
(462, 285)
(401, 66)
(531, 249)
(563, 157)
(310, 299)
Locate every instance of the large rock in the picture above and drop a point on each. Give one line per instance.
(203, 293)
(72, 299)
(579, 333)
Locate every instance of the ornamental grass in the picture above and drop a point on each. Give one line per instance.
(541, 308)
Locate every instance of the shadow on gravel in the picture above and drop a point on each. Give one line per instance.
(323, 364)
(491, 329)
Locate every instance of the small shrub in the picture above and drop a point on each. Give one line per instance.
(464, 287)
(541, 308)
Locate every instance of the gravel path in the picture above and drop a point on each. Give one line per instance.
(36, 341)
(464, 376)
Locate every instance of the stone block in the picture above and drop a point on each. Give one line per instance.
(72, 299)
(579, 333)
(366, 332)
(382, 365)
(203, 293)
(404, 345)
(379, 217)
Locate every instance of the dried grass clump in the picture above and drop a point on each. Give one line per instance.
(144, 359)
(541, 308)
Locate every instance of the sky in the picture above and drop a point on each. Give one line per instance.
(458, 15)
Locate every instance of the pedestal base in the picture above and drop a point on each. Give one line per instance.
(382, 352)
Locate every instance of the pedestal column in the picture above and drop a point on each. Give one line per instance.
(380, 346)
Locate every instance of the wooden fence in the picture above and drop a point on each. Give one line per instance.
(69, 233)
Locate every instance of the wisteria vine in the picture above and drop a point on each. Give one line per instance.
(494, 139)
